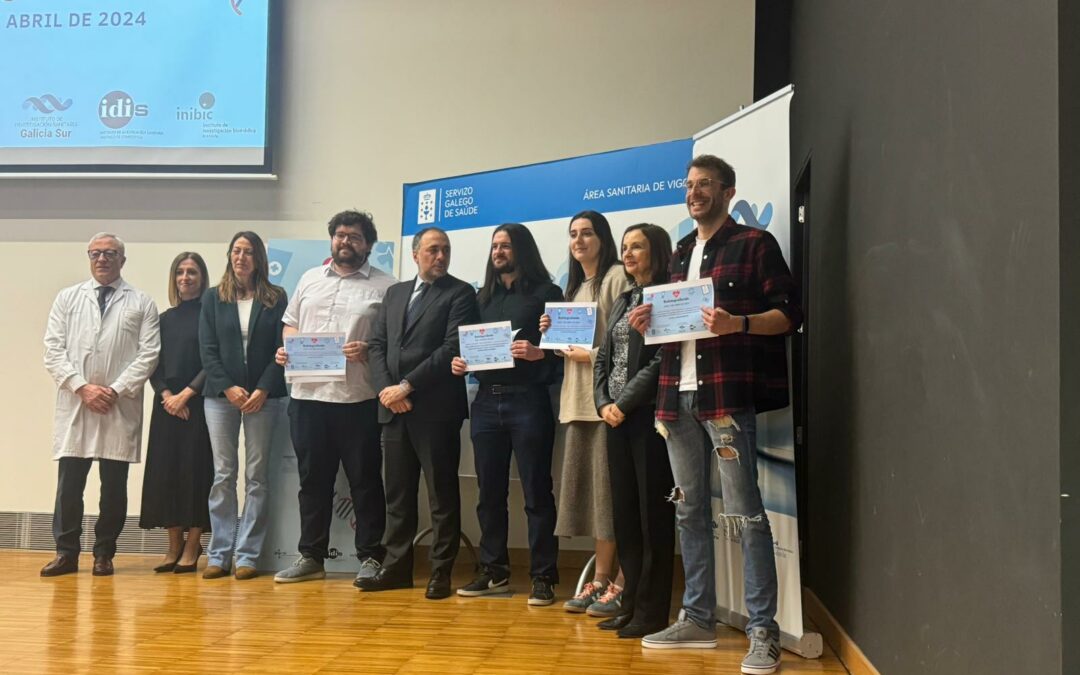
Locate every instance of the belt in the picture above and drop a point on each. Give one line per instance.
(507, 388)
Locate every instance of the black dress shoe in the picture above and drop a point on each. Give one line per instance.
(438, 587)
(187, 569)
(384, 580)
(61, 564)
(640, 630)
(103, 566)
(167, 567)
(615, 622)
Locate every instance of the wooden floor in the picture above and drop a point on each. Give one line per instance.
(141, 622)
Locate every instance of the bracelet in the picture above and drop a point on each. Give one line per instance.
(746, 324)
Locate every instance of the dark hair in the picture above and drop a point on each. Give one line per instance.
(608, 255)
(354, 218)
(722, 169)
(659, 250)
(527, 260)
(265, 292)
(420, 235)
(204, 282)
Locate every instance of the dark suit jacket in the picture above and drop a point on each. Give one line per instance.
(421, 352)
(222, 348)
(643, 366)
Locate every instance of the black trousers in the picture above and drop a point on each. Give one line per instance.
(641, 482)
(68, 511)
(433, 447)
(521, 423)
(326, 435)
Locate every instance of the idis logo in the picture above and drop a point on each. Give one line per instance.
(118, 108)
(203, 112)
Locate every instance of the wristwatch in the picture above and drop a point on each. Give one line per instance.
(405, 387)
(746, 324)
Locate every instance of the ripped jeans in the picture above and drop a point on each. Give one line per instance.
(733, 438)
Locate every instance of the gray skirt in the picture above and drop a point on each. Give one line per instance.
(585, 488)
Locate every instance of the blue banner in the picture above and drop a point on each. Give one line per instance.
(635, 178)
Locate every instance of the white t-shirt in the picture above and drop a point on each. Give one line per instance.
(243, 309)
(688, 355)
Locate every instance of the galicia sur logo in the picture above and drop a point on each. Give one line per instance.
(46, 103)
(745, 213)
(118, 108)
(236, 6)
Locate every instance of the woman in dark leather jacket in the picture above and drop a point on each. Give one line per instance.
(625, 392)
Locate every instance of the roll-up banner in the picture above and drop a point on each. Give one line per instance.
(645, 184)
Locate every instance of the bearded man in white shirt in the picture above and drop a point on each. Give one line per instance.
(101, 345)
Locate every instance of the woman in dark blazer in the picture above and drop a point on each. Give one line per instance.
(625, 379)
(239, 334)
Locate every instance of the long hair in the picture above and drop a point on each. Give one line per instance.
(265, 292)
(527, 260)
(659, 251)
(608, 255)
(204, 281)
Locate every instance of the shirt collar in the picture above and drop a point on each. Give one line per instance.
(114, 285)
(364, 271)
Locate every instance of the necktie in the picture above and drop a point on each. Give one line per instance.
(414, 304)
(103, 293)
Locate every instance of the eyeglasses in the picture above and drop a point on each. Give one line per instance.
(108, 254)
(351, 238)
(704, 184)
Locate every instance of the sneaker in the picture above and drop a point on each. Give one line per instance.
(764, 655)
(608, 604)
(369, 567)
(589, 594)
(543, 593)
(487, 583)
(683, 634)
(304, 569)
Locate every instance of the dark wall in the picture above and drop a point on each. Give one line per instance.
(934, 533)
(1069, 261)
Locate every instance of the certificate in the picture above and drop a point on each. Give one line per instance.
(315, 357)
(676, 311)
(573, 324)
(486, 346)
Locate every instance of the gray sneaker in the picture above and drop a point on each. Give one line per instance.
(764, 655)
(304, 569)
(683, 634)
(369, 567)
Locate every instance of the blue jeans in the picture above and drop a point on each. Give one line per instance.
(223, 421)
(519, 422)
(733, 439)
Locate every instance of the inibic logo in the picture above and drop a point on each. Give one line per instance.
(46, 103)
(203, 112)
(118, 108)
(425, 211)
(236, 6)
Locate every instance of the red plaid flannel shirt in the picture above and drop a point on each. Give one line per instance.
(735, 372)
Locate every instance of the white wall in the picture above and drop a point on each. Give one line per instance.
(371, 94)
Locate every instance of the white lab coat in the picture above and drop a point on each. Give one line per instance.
(119, 350)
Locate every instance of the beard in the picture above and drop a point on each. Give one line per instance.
(507, 267)
(349, 256)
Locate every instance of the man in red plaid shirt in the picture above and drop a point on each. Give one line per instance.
(718, 385)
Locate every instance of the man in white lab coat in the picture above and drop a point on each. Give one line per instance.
(101, 345)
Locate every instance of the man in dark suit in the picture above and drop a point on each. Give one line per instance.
(422, 405)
